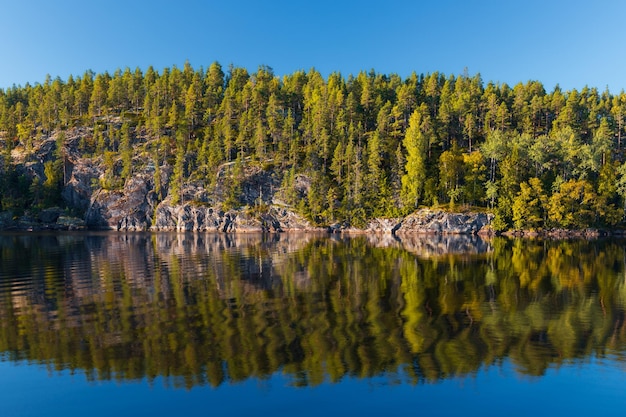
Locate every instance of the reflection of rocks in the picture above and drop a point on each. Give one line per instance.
(384, 240)
(438, 245)
(257, 259)
(212, 243)
(426, 246)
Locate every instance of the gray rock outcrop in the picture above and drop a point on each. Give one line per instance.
(128, 209)
(79, 185)
(387, 226)
(427, 221)
(209, 219)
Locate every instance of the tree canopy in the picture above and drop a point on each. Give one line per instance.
(372, 144)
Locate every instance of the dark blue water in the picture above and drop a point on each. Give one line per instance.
(174, 324)
(591, 388)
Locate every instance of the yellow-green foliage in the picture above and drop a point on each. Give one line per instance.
(372, 144)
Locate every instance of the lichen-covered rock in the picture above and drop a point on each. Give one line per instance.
(79, 186)
(70, 223)
(387, 226)
(258, 185)
(440, 222)
(209, 219)
(128, 209)
(189, 218)
(284, 219)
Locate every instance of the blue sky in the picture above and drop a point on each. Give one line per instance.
(571, 43)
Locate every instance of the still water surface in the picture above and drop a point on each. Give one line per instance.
(164, 324)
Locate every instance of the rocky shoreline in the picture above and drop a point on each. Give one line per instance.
(52, 219)
(139, 204)
(274, 219)
(190, 218)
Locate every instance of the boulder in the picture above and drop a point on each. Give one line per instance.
(70, 223)
(49, 215)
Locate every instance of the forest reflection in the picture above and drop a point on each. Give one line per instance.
(208, 309)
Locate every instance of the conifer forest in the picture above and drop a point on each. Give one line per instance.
(360, 146)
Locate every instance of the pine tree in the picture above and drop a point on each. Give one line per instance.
(178, 174)
(126, 151)
(157, 175)
(416, 143)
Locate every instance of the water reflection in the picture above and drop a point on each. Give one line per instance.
(205, 309)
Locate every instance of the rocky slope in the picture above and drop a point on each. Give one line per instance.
(138, 206)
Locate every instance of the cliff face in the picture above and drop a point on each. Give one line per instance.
(136, 207)
(209, 219)
(130, 208)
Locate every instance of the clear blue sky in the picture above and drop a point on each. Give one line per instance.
(573, 43)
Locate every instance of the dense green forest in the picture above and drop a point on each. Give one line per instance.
(370, 145)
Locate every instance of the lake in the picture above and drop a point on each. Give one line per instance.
(302, 324)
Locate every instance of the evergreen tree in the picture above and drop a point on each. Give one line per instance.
(416, 143)
(126, 151)
(178, 175)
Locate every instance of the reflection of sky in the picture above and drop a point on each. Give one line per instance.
(584, 388)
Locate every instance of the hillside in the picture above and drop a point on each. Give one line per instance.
(195, 149)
